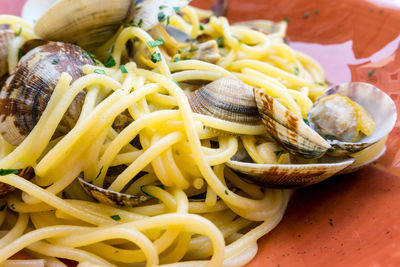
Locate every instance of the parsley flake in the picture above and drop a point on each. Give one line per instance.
(156, 43)
(155, 57)
(162, 7)
(55, 61)
(110, 62)
(176, 59)
(161, 16)
(177, 84)
(140, 23)
(371, 72)
(98, 175)
(226, 192)
(98, 71)
(201, 27)
(306, 15)
(316, 11)
(319, 83)
(12, 206)
(306, 122)
(19, 54)
(278, 153)
(115, 217)
(296, 71)
(176, 9)
(193, 50)
(168, 21)
(286, 19)
(8, 171)
(19, 31)
(123, 69)
(219, 42)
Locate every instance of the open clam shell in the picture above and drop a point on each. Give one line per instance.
(379, 106)
(227, 99)
(27, 91)
(6, 37)
(289, 130)
(290, 175)
(111, 197)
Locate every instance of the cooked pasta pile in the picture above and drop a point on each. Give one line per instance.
(201, 212)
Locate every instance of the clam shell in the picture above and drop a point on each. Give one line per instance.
(290, 175)
(6, 37)
(88, 23)
(28, 89)
(26, 173)
(378, 104)
(356, 167)
(228, 99)
(289, 130)
(111, 197)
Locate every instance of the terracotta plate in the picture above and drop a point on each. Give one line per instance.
(350, 220)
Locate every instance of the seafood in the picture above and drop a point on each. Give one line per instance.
(26, 173)
(228, 99)
(28, 89)
(111, 197)
(6, 37)
(92, 23)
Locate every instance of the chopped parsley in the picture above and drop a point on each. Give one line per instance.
(19, 54)
(176, 9)
(226, 192)
(98, 71)
(162, 7)
(219, 42)
(176, 59)
(140, 23)
(55, 61)
(371, 72)
(8, 171)
(110, 62)
(201, 27)
(123, 69)
(306, 15)
(156, 43)
(87, 54)
(316, 11)
(115, 217)
(155, 57)
(177, 84)
(296, 71)
(286, 19)
(168, 21)
(161, 16)
(12, 206)
(278, 153)
(19, 31)
(2, 207)
(101, 169)
(319, 83)
(306, 122)
(194, 49)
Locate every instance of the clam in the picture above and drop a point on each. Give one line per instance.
(92, 23)
(112, 198)
(28, 89)
(329, 124)
(6, 37)
(26, 173)
(227, 99)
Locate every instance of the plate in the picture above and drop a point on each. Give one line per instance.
(348, 220)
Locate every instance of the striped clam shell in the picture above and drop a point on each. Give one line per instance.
(26, 173)
(379, 105)
(112, 198)
(227, 99)
(289, 130)
(27, 91)
(290, 175)
(6, 37)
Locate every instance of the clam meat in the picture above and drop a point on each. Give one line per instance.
(27, 91)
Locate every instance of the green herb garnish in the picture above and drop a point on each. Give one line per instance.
(176, 59)
(306, 122)
(306, 15)
(123, 69)
(176, 9)
(19, 31)
(219, 42)
(155, 57)
(156, 43)
(161, 16)
(296, 71)
(177, 84)
(19, 54)
(286, 19)
(193, 49)
(316, 11)
(98, 71)
(319, 83)
(278, 153)
(8, 171)
(201, 27)
(140, 23)
(12, 206)
(371, 72)
(168, 21)
(110, 62)
(55, 61)
(115, 217)
(226, 192)
(98, 175)
(162, 7)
